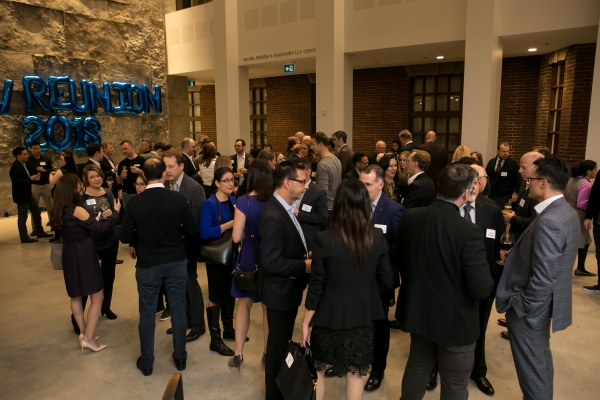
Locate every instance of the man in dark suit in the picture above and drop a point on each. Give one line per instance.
(109, 167)
(380, 147)
(311, 209)
(441, 286)
(156, 221)
(592, 222)
(95, 154)
(188, 147)
(535, 290)
(386, 216)
(194, 194)
(421, 190)
(360, 161)
(240, 161)
(439, 156)
(345, 153)
(284, 268)
(504, 176)
(38, 163)
(407, 142)
(22, 196)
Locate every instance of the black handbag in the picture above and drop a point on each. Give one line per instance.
(246, 280)
(297, 377)
(218, 251)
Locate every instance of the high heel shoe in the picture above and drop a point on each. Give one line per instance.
(85, 344)
(236, 361)
(81, 337)
(109, 314)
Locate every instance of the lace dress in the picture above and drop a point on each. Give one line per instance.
(343, 350)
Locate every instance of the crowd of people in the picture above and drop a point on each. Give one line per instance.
(454, 236)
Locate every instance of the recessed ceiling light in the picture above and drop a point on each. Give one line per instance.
(532, 49)
(440, 57)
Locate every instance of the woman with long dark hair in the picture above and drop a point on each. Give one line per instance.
(216, 218)
(247, 215)
(207, 168)
(577, 194)
(349, 261)
(81, 269)
(66, 165)
(395, 184)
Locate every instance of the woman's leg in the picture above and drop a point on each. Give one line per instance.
(320, 385)
(93, 316)
(77, 310)
(242, 322)
(354, 386)
(265, 327)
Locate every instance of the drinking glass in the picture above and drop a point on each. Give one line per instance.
(507, 208)
(507, 240)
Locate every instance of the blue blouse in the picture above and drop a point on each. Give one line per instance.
(210, 228)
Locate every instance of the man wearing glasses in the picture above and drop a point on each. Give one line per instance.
(360, 162)
(535, 288)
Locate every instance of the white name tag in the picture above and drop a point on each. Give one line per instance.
(382, 227)
(43, 163)
(138, 165)
(306, 207)
(289, 360)
(314, 174)
(522, 203)
(503, 173)
(490, 233)
(90, 202)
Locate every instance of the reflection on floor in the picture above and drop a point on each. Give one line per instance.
(41, 358)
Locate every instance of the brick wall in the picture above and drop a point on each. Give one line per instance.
(381, 106)
(543, 102)
(208, 113)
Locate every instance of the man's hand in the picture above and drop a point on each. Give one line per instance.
(243, 170)
(514, 197)
(135, 170)
(508, 216)
(132, 252)
(308, 265)
(41, 169)
(123, 173)
(588, 224)
(35, 177)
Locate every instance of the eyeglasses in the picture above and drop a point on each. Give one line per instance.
(227, 181)
(140, 184)
(534, 179)
(302, 181)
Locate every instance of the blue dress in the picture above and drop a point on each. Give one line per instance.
(246, 258)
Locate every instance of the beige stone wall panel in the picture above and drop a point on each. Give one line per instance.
(15, 65)
(95, 8)
(75, 68)
(121, 72)
(11, 136)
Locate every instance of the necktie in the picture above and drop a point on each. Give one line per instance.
(468, 209)
(499, 166)
(26, 170)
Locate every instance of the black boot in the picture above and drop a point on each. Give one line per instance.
(227, 319)
(216, 343)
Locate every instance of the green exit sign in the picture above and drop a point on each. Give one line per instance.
(288, 68)
(191, 83)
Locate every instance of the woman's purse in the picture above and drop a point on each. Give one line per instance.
(297, 377)
(56, 255)
(218, 251)
(246, 280)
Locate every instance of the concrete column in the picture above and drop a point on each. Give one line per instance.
(231, 80)
(593, 138)
(334, 70)
(483, 70)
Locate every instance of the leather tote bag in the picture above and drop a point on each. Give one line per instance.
(218, 251)
(297, 377)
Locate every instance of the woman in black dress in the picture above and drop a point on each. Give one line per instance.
(395, 184)
(349, 261)
(81, 269)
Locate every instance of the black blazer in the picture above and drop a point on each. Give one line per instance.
(107, 169)
(420, 193)
(235, 165)
(593, 206)
(352, 174)
(282, 275)
(344, 294)
(504, 185)
(21, 183)
(345, 156)
(488, 217)
(188, 166)
(388, 213)
(444, 274)
(313, 221)
(410, 147)
(439, 159)
(373, 158)
(524, 209)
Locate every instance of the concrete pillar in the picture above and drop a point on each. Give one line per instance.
(231, 80)
(593, 138)
(483, 70)
(334, 71)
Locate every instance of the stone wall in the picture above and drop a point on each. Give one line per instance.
(98, 40)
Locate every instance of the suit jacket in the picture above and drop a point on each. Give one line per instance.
(21, 183)
(444, 274)
(235, 162)
(107, 169)
(344, 294)
(593, 206)
(524, 209)
(194, 194)
(345, 155)
(410, 147)
(188, 166)
(507, 184)
(420, 193)
(282, 275)
(387, 214)
(373, 158)
(439, 159)
(488, 217)
(352, 174)
(313, 221)
(536, 282)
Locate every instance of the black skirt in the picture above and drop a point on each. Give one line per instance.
(219, 282)
(343, 350)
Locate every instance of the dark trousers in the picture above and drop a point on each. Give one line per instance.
(194, 299)
(281, 328)
(485, 310)
(596, 231)
(382, 335)
(530, 347)
(161, 305)
(22, 214)
(455, 364)
(174, 276)
(108, 262)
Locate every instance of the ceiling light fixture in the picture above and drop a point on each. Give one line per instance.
(532, 49)
(440, 57)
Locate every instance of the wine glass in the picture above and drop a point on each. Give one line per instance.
(507, 240)
(103, 204)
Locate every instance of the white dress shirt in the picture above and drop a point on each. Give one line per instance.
(412, 178)
(542, 206)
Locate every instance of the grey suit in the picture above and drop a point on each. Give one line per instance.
(535, 288)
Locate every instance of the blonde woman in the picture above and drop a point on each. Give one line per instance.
(460, 152)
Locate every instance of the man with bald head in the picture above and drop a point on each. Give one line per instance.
(380, 147)
(300, 136)
(439, 156)
(188, 148)
(406, 141)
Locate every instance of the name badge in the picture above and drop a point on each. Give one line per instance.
(43, 163)
(138, 165)
(306, 207)
(522, 203)
(382, 227)
(90, 202)
(503, 173)
(490, 233)
(314, 174)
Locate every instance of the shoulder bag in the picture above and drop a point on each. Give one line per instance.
(297, 377)
(218, 251)
(56, 255)
(246, 280)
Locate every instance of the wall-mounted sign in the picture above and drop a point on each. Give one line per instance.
(59, 93)
(280, 54)
(288, 68)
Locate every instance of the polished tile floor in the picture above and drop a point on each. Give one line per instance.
(41, 359)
